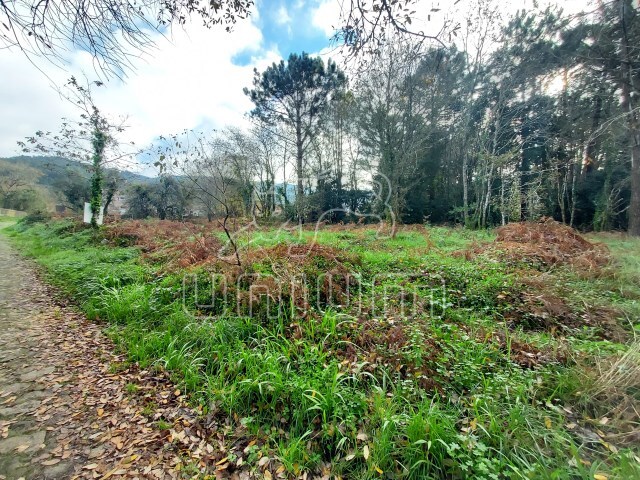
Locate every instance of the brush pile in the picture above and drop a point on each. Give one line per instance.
(546, 244)
(177, 244)
(320, 274)
(540, 304)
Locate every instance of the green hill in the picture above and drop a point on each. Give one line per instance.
(56, 169)
(41, 182)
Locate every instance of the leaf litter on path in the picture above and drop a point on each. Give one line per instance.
(95, 427)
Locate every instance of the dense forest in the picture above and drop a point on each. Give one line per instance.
(537, 117)
(514, 119)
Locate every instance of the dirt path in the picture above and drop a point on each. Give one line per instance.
(25, 441)
(70, 408)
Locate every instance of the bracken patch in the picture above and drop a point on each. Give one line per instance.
(543, 244)
(176, 244)
(536, 305)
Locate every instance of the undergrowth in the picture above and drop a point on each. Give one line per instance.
(464, 386)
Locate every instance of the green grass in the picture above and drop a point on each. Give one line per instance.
(7, 221)
(448, 401)
(131, 388)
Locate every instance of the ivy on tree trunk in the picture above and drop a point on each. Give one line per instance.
(99, 142)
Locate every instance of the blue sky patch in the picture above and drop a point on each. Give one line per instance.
(288, 27)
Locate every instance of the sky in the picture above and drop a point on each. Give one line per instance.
(194, 79)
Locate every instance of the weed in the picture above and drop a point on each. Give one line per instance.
(149, 409)
(118, 367)
(131, 388)
(163, 425)
(477, 383)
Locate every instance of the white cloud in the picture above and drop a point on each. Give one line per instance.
(326, 16)
(28, 101)
(190, 83)
(282, 16)
(187, 82)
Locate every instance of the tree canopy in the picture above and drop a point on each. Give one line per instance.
(114, 32)
(296, 94)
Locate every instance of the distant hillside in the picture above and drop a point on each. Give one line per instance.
(55, 169)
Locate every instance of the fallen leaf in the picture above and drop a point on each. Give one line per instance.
(547, 422)
(115, 471)
(53, 461)
(365, 452)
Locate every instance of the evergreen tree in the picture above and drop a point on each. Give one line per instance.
(296, 94)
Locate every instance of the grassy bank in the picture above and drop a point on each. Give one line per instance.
(518, 371)
(7, 221)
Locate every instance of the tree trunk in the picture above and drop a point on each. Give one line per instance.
(487, 200)
(395, 213)
(574, 194)
(99, 141)
(285, 185)
(561, 187)
(628, 96)
(588, 161)
(465, 188)
(634, 205)
(107, 201)
(272, 194)
(503, 217)
(299, 162)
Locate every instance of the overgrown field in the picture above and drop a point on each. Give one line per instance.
(441, 353)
